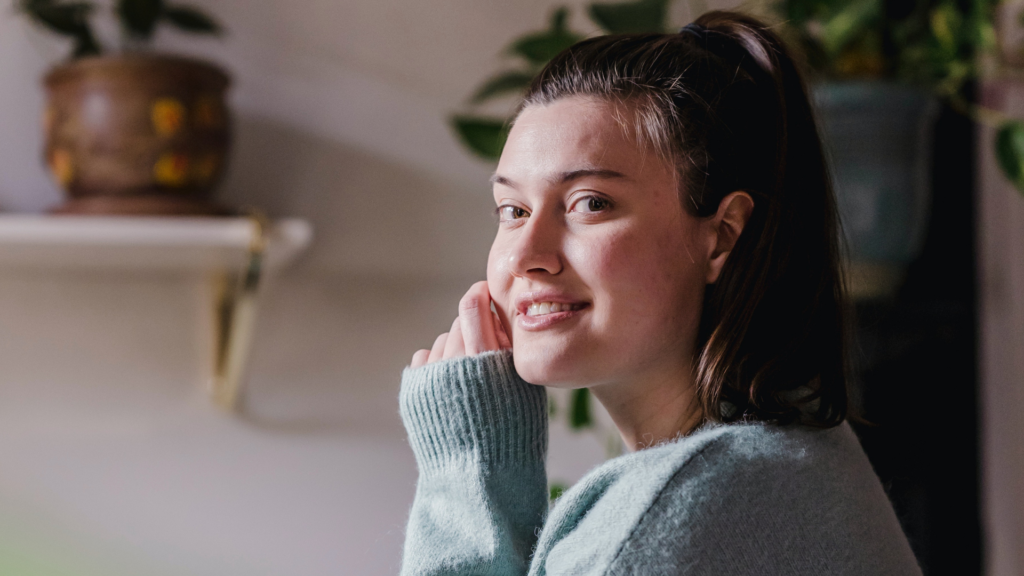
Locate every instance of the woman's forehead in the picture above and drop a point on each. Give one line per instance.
(574, 134)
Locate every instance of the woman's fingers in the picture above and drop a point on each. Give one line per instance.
(455, 346)
(476, 330)
(419, 358)
(499, 333)
(476, 321)
(438, 349)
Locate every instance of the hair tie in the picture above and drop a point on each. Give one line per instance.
(696, 30)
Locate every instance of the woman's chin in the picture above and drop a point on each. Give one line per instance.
(545, 367)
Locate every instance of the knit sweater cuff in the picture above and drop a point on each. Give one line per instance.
(475, 407)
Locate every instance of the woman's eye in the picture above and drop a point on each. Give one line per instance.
(507, 213)
(591, 204)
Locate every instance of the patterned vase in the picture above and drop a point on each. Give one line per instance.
(137, 134)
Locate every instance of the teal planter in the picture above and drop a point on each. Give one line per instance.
(877, 136)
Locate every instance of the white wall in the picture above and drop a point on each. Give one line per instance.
(113, 463)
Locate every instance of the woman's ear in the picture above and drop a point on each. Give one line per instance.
(727, 224)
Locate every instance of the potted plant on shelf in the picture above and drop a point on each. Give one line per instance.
(133, 132)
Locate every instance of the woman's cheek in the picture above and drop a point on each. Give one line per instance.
(601, 260)
(499, 282)
(623, 270)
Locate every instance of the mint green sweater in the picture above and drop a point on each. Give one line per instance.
(731, 499)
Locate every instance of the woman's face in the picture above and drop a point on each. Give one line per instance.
(597, 272)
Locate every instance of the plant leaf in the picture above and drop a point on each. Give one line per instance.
(945, 23)
(514, 81)
(484, 136)
(555, 490)
(192, 20)
(85, 44)
(984, 34)
(139, 17)
(631, 17)
(1010, 152)
(67, 19)
(559, 18)
(579, 411)
(540, 47)
(849, 24)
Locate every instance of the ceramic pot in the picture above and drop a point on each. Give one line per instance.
(878, 138)
(137, 134)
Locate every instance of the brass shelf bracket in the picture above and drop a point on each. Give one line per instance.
(235, 316)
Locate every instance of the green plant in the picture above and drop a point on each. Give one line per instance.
(138, 19)
(555, 490)
(938, 44)
(579, 410)
(934, 43)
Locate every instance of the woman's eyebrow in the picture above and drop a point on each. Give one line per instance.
(565, 177)
(498, 179)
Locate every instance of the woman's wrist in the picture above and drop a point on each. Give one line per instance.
(473, 407)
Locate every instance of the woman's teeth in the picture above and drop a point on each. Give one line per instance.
(542, 308)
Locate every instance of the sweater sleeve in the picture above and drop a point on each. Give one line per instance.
(479, 434)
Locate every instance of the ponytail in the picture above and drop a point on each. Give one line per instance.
(724, 101)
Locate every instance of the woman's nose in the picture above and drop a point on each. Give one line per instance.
(537, 250)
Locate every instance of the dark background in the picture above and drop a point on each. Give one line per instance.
(915, 372)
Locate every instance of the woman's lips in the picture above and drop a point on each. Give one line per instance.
(542, 315)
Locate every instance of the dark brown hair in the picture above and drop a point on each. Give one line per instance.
(724, 101)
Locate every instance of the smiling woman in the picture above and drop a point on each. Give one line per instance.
(667, 238)
(586, 221)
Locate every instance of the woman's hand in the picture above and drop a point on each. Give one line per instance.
(476, 330)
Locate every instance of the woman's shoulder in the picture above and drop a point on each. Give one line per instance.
(784, 499)
(762, 458)
(745, 447)
(778, 488)
(720, 463)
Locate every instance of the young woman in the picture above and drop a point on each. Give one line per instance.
(667, 237)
